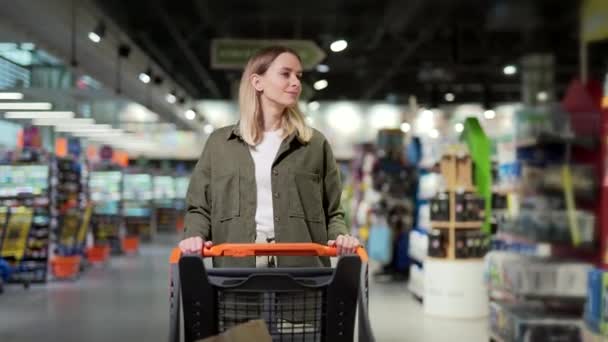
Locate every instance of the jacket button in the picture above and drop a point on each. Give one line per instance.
(275, 172)
(276, 218)
(276, 195)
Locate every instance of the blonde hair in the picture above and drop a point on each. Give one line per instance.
(251, 124)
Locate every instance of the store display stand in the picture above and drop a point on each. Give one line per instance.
(454, 287)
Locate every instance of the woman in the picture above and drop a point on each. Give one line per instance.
(270, 177)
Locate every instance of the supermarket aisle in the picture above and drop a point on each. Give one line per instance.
(397, 317)
(127, 301)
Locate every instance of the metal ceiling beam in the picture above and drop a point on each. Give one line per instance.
(166, 64)
(408, 50)
(202, 72)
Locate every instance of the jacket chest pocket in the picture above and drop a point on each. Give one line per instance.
(226, 196)
(305, 200)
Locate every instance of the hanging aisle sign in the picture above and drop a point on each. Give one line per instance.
(594, 20)
(234, 53)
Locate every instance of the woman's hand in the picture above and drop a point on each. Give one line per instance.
(194, 245)
(345, 244)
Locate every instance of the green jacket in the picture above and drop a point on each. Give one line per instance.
(221, 200)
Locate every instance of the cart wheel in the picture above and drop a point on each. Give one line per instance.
(26, 285)
(1, 287)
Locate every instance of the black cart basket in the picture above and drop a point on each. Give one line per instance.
(297, 304)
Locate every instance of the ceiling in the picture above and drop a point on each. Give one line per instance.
(396, 48)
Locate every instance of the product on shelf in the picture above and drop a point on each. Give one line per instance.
(137, 194)
(107, 220)
(532, 322)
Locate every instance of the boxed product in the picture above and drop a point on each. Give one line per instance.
(464, 171)
(447, 166)
(596, 308)
(440, 207)
(438, 243)
(533, 322)
(251, 331)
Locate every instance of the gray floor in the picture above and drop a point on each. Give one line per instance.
(127, 301)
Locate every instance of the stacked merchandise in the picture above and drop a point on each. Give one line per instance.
(164, 203)
(137, 202)
(74, 214)
(457, 213)
(537, 273)
(26, 199)
(72, 200)
(395, 179)
(107, 221)
(428, 186)
(360, 192)
(453, 271)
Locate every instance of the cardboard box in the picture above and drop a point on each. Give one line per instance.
(246, 332)
(447, 165)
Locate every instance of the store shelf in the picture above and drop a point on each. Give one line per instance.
(501, 294)
(454, 260)
(457, 225)
(523, 245)
(553, 139)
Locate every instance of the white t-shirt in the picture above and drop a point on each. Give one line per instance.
(263, 156)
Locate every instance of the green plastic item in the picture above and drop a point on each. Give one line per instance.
(480, 148)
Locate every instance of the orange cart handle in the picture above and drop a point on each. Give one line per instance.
(240, 250)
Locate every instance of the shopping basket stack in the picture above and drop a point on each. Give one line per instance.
(297, 304)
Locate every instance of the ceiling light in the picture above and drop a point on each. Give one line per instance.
(99, 133)
(208, 129)
(405, 127)
(145, 76)
(314, 105)
(338, 45)
(489, 114)
(98, 33)
(459, 127)
(434, 133)
(323, 68)
(39, 115)
(510, 69)
(94, 37)
(450, 97)
(542, 96)
(83, 128)
(11, 96)
(25, 106)
(63, 122)
(320, 84)
(190, 114)
(171, 98)
(28, 46)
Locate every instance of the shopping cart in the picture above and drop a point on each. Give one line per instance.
(297, 304)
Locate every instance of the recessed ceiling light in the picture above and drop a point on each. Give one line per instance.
(320, 84)
(323, 68)
(510, 69)
(338, 45)
(459, 127)
(11, 96)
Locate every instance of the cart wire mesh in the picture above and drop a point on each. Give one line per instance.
(289, 315)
